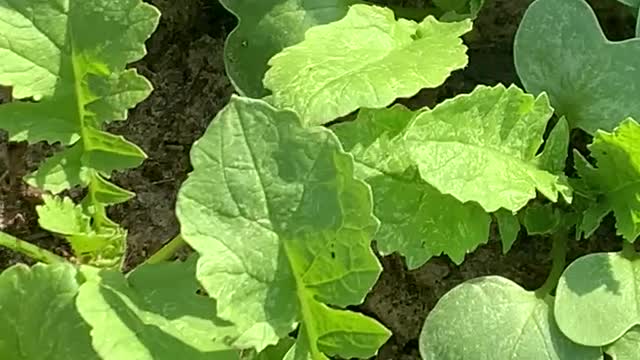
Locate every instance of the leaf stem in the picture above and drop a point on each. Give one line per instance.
(559, 258)
(167, 251)
(33, 251)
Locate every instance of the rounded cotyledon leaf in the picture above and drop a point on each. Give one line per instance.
(366, 59)
(492, 318)
(602, 288)
(284, 231)
(627, 347)
(560, 49)
(265, 28)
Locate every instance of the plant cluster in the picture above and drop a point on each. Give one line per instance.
(309, 163)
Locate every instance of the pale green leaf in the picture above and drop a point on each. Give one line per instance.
(38, 318)
(154, 313)
(509, 227)
(627, 347)
(367, 59)
(491, 318)
(417, 220)
(615, 179)
(602, 288)
(560, 49)
(265, 28)
(284, 230)
(556, 148)
(485, 140)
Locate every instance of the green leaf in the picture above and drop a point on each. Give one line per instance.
(367, 59)
(260, 176)
(560, 49)
(626, 348)
(602, 288)
(509, 227)
(616, 179)
(153, 313)
(38, 318)
(417, 220)
(542, 219)
(485, 140)
(265, 28)
(632, 3)
(70, 58)
(456, 10)
(494, 318)
(272, 352)
(554, 158)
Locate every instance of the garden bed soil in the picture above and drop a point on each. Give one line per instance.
(185, 65)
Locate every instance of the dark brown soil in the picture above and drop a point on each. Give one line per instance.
(185, 65)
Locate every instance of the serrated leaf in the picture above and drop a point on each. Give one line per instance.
(38, 318)
(494, 318)
(487, 140)
(615, 179)
(627, 347)
(367, 59)
(560, 49)
(70, 57)
(283, 229)
(416, 220)
(603, 288)
(154, 313)
(265, 28)
(509, 227)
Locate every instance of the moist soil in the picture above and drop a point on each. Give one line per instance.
(185, 65)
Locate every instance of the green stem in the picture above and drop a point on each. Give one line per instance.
(559, 258)
(167, 251)
(33, 251)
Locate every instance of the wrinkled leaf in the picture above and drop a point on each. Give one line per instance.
(560, 49)
(284, 230)
(367, 59)
(265, 28)
(627, 347)
(492, 318)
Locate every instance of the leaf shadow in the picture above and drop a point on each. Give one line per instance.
(600, 273)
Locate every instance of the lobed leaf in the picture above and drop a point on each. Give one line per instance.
(560, 49)
(366, 59)
(284, 232)
(494, 318)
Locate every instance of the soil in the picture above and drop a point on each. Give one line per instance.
(185, 65)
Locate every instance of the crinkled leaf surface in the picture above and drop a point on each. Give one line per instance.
(492, 318)
(154, 313)
(627, 347)
(509, 227)
(367, 59)
(284, 230)
(485, 140)
(265, 28)
(616, 177)
(561, 49)
(38, 317)
(70, 57)
(417, 220)
(603, 288)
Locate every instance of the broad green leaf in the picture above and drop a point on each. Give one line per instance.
(272, 352)
(482, 147)
(560, 49)
(602, 288)
(38, 318)
(284, 230)
(417, 220)
(509, 227)
(154, 313)
(492, 318)
(627, 347)
(616, 177)
(265, 28)
(367, 59)
(542, 219)
(70, 57)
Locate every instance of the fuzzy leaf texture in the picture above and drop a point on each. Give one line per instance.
(265, 28)
(66, 60)
(367, 59)
(417, 220)
(284, 230)
(560, 49)
(615, 178)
